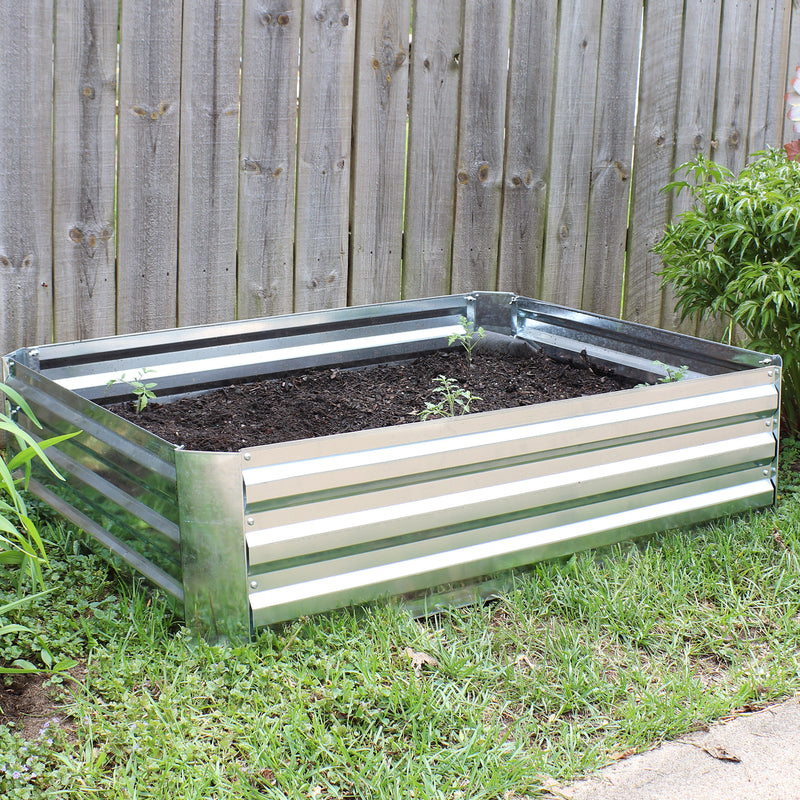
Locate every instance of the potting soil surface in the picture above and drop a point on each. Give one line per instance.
(327, 401)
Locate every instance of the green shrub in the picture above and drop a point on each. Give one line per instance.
(735, 256)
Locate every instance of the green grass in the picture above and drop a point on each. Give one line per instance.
(584, 658)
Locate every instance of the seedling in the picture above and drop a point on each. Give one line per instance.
(469, 338)
(674, 374)
(143, 392)
(454, 401)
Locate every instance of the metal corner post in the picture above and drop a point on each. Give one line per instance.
(211, 507)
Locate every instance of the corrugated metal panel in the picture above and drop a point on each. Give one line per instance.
(120, 481)
(452, 497)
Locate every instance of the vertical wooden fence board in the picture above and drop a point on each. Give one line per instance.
(571, 151)
(734, 82)
(767, 106)
(697, 86)
(432, 143)
(695, 115)
(323, 169)
(84, 132)
(268, 157)
(732, 111)
(479, 187)
(793, 60)
(530, 104)
(209, 161)
(379, 155)
(654, 149)
(26, 97)
(147, 195)
(612, 156)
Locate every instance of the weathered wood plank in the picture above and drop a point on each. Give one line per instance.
(767, 107)
(612, 156)
(530, 105)
(479, 188)
(654, 149)
(695, 115)
(793, 60)
(379, 153)
(697, 85)
(571, 151)
(209, 161)
(734, 82)
(432, 140)
(84, 131)
(26, 96)
(323, 170)
(732, 113)
(268, 157)
(149, 119)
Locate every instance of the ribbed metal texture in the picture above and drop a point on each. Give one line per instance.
(391, 511)
(120, 483)
(263, 535)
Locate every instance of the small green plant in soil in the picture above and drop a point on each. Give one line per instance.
(454, 399)
(469, 338)
(734, 256)
(142, 391)
(673, 374)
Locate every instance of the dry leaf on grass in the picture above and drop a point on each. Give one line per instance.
(524, 660)
(420, 660)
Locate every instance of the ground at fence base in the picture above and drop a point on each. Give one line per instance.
(754, 755)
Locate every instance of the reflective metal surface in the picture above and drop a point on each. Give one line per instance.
(212, 544)
(272, 532)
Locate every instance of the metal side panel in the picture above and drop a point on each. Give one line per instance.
(280, 597)
(334, 338)
(629, 347)
(212, 544)
(366, 520)
(119, 482)
(348, 518)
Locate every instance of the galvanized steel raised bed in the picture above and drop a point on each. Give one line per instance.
(268, 533)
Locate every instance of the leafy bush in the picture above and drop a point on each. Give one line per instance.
(735, 255)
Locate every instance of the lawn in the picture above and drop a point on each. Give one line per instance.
(584, 661)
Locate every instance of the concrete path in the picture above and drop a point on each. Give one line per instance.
(753, 757)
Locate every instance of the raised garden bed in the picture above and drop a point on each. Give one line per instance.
(272, 531)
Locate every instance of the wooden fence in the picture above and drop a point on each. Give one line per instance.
(171, 162)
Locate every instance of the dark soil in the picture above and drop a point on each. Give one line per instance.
(327, 401)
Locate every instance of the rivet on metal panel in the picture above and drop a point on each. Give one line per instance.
(254, 584)
(768, 423)
(247, 456)
(770, 373)
(33, 353)
(765, 361)
(766, 472)
(251, 521)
